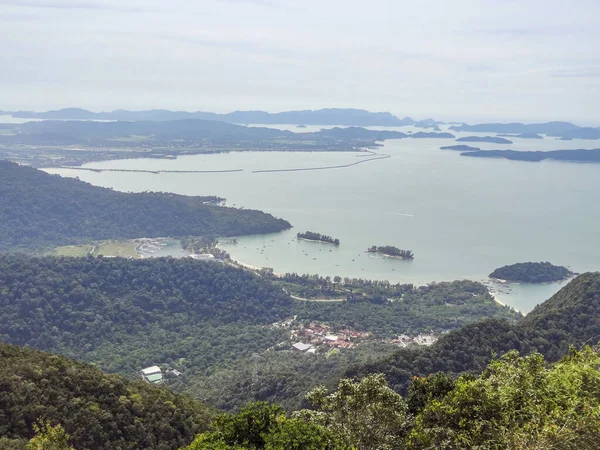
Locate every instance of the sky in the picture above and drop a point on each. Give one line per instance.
(463, 60)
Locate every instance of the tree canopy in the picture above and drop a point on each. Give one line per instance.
(38, 210)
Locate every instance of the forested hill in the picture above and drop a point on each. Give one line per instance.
(39, 210)
(129, 314)
(99, 411)
(570, 317)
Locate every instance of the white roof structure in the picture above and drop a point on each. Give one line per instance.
(151, 370)
(301, 346)
(311, 350)
(331, 337)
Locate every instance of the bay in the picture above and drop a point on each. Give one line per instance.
(462, 217)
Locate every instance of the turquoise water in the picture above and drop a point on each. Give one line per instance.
(462, 217)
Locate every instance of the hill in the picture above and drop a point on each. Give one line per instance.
(98, 410)
(329, 116)
(570, 317)
(227, 330)
(38, 210)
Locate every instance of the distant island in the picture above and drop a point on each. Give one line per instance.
(312, 236)
(392, 252)
(592, 156)
(524, 135)
(488, 139)
(327, 116)
(532, 272)
(555, 129)
(301, 126)
(462, 148)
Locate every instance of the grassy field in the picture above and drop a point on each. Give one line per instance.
(126, 249)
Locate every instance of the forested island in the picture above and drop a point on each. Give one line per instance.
(312, 236)
(591, 156)
(462, 148)
(486, 139)
(523, 135)
(393, 252)
(532, 272)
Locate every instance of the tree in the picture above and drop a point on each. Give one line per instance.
(367, 413)
(49, 437)
(264, 426)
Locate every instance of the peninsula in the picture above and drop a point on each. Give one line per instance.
(312, 236)
(532, 272)
(392, 252)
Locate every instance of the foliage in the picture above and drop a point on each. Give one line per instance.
(49, 437)
(531, 272)
(367, 413)
(390, 250)
(207, 319)
(312, 236)
(38, 210)
(264, 426)
(570, 317)
(97, 411)
(518, 403)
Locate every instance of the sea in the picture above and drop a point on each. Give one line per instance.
(462, 217)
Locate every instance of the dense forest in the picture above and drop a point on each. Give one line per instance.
(38, 210)
(98, 411)
(570, 317)
(532, 272)
(312, 236)
(516, 403)
(208, 319)
(97, 308)
(390, 250)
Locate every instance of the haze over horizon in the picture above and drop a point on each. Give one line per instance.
(465, 61)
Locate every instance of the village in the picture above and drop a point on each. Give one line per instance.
(316, 335)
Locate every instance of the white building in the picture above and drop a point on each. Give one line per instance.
(301, 346)
(152, 374)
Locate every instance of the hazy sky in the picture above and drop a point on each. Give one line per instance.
(452, 60)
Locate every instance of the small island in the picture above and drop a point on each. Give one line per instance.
(392, 252)
(523, 135)
(532, 272)
(461, 148)
(487, 139)
(312, 236)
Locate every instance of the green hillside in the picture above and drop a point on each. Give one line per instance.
(214, 322)
(570, 317)
(38, 210)
(99, 411)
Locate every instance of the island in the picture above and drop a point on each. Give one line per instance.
(524, 135)
(392, 252)
(301, 126)
(532, 272)
(461, 148)
(487, 139)
(312, 236)
(590, 156)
